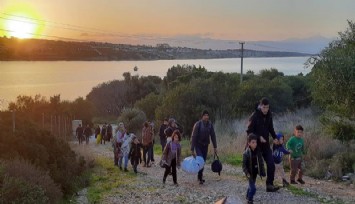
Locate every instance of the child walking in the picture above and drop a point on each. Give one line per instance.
(135, 153)
(171, 155)
(278, 150)
(296, 145)
(252, 165)
(125, 149)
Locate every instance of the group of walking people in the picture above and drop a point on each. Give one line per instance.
(258, 150)
(128, 146)
(83, 134)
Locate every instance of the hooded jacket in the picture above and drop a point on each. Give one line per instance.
(261, 125)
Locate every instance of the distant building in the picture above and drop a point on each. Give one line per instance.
(163, 45)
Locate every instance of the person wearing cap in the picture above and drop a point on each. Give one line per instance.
(278, 150)
(202, 133)
(261, 124)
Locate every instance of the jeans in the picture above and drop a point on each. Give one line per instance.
(269, 160)
(125, 157)
(147, 150)
(201, 150)
(251, 189)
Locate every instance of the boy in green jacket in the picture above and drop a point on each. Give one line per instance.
(296, 144)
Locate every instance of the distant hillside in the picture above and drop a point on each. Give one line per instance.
(47, 50)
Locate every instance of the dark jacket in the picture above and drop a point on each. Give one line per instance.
(201, 134)
(253, 163)
(87, 132)
(135, 153)
(161, 132)
(261, 125)
(79, 131)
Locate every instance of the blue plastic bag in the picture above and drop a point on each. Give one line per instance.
(192, 165)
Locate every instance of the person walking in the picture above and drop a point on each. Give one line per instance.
(202, 132)
(147, 142)
(87, 133)
(261, 124)
(171, 155)
(79, 133)
(162, 134)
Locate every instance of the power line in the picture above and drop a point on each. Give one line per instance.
(82, 28)
(49, 36)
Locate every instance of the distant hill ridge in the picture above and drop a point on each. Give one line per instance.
(48, 50)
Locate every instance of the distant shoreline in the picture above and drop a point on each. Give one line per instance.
(13, 49)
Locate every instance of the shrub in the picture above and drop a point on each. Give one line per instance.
(133, 119)
(23, 178)
(18, 190)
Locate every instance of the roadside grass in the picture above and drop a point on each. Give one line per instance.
(105, 177)
(302, 192)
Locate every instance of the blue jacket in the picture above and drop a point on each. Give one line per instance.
(278, 152)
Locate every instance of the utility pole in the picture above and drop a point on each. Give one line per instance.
(13, 121)
(241, 62)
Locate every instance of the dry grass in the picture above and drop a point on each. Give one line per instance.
(320, 147)
(84, 152)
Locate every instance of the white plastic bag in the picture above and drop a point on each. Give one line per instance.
(192, 165)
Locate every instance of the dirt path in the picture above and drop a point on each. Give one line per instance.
(147, 187)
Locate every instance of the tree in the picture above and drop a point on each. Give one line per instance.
(148, 105)
(333, 87)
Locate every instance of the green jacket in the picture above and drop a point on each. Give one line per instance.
(297, 146)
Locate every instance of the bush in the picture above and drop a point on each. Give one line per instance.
(133, 119)
(18, 190)
(43, 150)
(23, 181)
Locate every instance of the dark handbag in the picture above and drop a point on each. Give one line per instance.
(216, 165)
(163, 163)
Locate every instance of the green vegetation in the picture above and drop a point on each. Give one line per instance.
(105, 178)
(302, 192)
(333, 86)
(36, 167)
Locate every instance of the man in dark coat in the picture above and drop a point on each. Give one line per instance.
(162, 134)
(202, 132)
(261, 124)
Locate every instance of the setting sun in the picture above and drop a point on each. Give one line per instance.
(20, 28)
(20, 20)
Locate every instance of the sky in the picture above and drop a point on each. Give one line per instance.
(141, 21)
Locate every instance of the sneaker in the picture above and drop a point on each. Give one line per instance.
(285, 183)
(293, 182)
(202, 181)
(272, 188)
(301, 181)
(135, 171)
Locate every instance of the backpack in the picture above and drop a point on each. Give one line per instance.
(216, 165)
